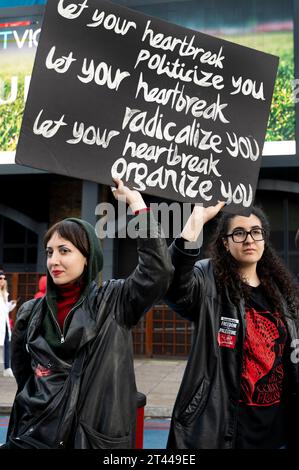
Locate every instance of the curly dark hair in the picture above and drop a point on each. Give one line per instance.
(278, 283)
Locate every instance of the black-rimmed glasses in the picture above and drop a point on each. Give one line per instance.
(240, 235)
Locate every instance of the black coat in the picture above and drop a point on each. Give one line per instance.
(89, 402)
(205, 412)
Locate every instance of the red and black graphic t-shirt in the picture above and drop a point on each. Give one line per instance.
(262, 414)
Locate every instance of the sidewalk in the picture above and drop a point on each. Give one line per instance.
(158, 379)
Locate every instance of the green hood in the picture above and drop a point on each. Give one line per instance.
(95, 262)
(94, 267)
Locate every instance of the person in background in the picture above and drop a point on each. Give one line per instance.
(42, 285)
(241, 385)
(6, 306)
(72, 352)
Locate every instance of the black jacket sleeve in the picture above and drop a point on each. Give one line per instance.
(151, 278)
(185, 292)
(20, 359)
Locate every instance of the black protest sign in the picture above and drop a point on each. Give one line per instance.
(173, 112)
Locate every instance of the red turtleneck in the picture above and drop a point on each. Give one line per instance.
(67, 297)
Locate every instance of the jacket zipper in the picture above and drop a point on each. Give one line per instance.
(243, 325)
(58, 327)
(61, 333)
(73, 308)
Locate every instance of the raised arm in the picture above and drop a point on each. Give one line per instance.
(186, 288)
(151, 278)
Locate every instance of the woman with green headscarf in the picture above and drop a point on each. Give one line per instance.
(72, 349)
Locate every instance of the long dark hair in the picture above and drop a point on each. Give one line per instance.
(277, 281)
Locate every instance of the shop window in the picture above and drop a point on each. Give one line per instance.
(18, 245)
(13, 254)
(13, 232)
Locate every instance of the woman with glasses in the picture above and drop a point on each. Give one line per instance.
(6, 306)
(241, 384)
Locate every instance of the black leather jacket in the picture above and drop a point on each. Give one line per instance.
(89, 402)
(205, 412)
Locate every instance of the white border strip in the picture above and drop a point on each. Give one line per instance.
(284, 147)
(7, 158)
